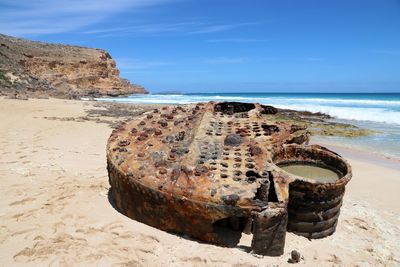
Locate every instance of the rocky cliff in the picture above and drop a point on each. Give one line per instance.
(36, 69)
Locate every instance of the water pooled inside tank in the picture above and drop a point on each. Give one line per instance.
(311, 171)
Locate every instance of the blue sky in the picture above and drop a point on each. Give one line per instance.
(228, 45)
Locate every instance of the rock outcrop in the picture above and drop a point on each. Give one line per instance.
(37, 69)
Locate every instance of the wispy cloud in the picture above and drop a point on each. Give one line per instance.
(220, 27)
(58, 16)
(142, 29)
(227, 60)
(234, 40)
(389, 52)
(185, 27)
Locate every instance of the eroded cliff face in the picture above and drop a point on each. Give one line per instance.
(35, 69)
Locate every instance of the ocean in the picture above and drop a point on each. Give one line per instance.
(376, 111)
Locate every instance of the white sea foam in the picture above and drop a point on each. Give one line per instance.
(348, 113)
(334, 101)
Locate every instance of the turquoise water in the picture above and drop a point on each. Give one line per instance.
(374, 111)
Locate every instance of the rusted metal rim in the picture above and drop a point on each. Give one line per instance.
(313, 206)
(317, 154)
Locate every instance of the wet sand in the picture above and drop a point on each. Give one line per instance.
(55, 210)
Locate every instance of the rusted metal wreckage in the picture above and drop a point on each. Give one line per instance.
(211, 171)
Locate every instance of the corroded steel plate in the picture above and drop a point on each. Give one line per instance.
(208, 170)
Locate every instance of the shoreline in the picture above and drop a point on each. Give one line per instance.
(354, 152)
(55, 208)
(373, 166)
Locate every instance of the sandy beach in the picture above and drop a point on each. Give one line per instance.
(55, 209)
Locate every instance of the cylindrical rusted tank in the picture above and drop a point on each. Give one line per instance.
(314, 207)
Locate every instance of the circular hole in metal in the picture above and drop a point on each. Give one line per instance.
(251, 179)
(237, 173)
(250, 165)
(224, 164)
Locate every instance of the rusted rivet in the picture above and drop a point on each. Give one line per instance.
(123, 143)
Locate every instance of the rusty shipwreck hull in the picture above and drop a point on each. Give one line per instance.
(209, 170)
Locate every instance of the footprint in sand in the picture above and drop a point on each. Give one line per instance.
(368, 228)
(130, 263)
(58, 227)
(48, 247)
(108, 228)
(335, 259)
(4, 233)
(360, 223)
(24, 231)
(22, 202)
(194, 260)
(149, 245)
(25, 215)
